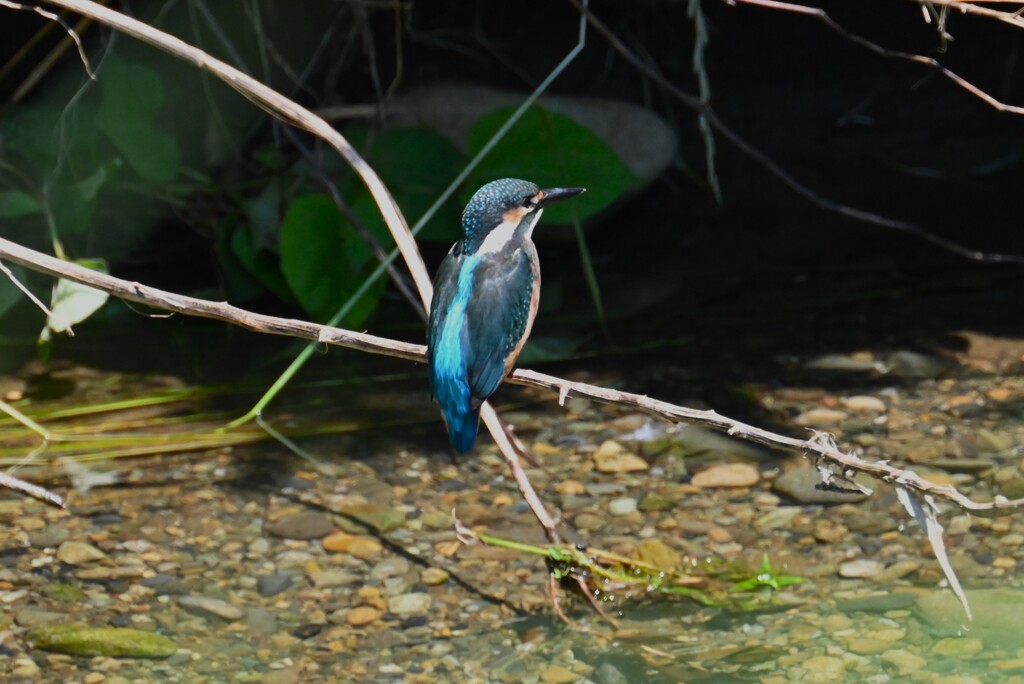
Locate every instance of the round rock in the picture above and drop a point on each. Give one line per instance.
(301, 526)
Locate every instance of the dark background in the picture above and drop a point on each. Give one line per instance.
(768, 272)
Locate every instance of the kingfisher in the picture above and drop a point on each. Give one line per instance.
(485, 299)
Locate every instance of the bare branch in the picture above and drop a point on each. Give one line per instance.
(823, 448)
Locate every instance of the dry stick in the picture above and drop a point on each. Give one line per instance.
(822, 16)
(818, 446)
(705, 110)
(301, 117)
(33, 490)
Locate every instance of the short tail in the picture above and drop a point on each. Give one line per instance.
(462, 429)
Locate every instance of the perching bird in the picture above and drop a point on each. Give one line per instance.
(485, 299)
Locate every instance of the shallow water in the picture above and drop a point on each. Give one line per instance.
(348, 567)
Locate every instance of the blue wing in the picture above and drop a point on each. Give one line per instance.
(481, 311)
(447, 343)
(498, 317)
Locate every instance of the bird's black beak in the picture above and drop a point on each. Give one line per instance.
(552, 195)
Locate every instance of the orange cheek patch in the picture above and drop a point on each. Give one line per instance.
(514, 216)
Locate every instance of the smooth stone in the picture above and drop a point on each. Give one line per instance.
(779, 517)
(409, 604)
(992, 440)
(862, 645)
(390, 567)
(727, 475)
(908, 364)
(609, 674)
(659, 554)
(612, 457)
(333, 577)
(258, 548)
(25, 668)
(434, 576)
(272, 585)
(899, 570)
(103, 574)
(1008, 665)
(590, 522)
(1013, 489)
(879, 603)
(623, 506)
(557, 674)
(436, 520)
(801, 485)
(302, 526)
(998, 614)
(362, 615)
(48, 537)
(854, 363)
(33, 617)
(962, 465)
(957, 646)
(830, 533)
(862, 568)
(78, 553)
(207, 607)
(711, 446)
(862, 402)
(260, 621)
(655, 502)
(823, 670)
(597, 489)
(365, 548)
(59, 591)
(904, 661)
(384, 520)
(287, 675)
(820, 417)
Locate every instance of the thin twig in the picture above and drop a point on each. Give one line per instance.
(822, 16)
(816, 445)
(43, 67)
(705, 110)
(27, 292)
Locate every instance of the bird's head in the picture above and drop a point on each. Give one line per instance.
(506, 209)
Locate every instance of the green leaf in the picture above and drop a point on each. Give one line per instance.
(312, 254)
(14, 203)
(71, 212)
(550, 150)
(73, 302)
(416, 164)
(320, 263)
(11, 294)
(260, 264)
(132, 97)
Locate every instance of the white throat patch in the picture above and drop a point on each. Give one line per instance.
(504, 232)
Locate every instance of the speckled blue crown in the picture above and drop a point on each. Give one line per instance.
(485, 210)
